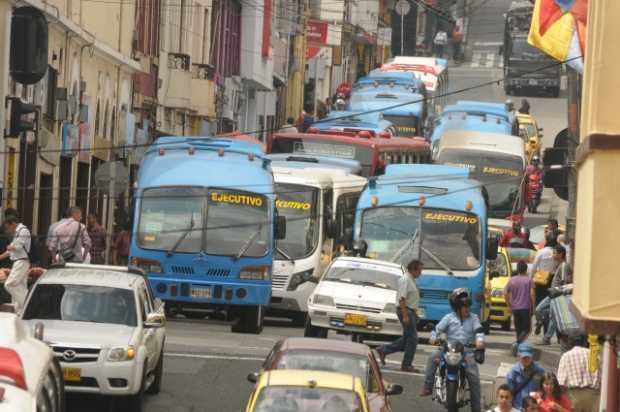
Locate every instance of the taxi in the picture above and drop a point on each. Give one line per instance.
(498, 274)
(307, 391)
(530, 132)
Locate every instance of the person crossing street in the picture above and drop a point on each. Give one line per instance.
(17, 282)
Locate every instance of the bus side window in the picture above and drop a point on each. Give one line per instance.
(345, 215)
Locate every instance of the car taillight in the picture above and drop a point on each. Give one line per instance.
(11, 367)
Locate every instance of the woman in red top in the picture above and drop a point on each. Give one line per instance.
(553, 398)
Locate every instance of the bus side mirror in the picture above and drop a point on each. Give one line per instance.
(360, 248)
(492, 245)
(280, 229)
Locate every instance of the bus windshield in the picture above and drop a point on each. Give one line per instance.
(319, 147)
(298, 204)
(450, 240)
(500, 174)
(173, 219)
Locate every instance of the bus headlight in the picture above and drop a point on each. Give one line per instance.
(300, 278)
(147, 265)
(323, 300)
(254, 273)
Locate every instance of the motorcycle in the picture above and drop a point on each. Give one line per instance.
(534, 192)
(451, 387)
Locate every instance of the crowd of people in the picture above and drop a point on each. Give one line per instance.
(24, 256)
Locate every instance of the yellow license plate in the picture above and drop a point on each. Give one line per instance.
(72, 374)
(354, 319)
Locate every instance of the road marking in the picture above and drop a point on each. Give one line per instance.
(220, 357)
(488, 43)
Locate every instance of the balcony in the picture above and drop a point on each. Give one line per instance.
(178, 81)
(203, 90)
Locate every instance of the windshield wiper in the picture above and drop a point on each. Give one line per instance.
(403, 248)
(182, 237)
(248, 243)
(284, 255)
(437, 260)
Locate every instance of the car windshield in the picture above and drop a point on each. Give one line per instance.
(530, 129)
(298, 204)
(500, 174)
(450, 239)
(325, 361)
(82, 303)
(363, 275)
(169, 215)
(517, 254)
(237, 221)
(306, 399)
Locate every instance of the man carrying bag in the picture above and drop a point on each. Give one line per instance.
(70, 241)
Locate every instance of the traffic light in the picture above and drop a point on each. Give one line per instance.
(18, 124)
(555, 161)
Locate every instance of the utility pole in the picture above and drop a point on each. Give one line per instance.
(5, 47)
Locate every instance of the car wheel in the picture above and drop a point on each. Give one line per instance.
(299, 318)
(155, 387)
(134, 402)
(314, 331)
(506, 325)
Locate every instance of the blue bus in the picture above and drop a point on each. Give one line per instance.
(434, 213)
(353, 121)
(407, 119)
(205, 223)
(379, 77)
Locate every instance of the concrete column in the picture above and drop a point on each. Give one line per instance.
(5, 46)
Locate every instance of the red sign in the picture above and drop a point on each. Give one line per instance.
(316, 32)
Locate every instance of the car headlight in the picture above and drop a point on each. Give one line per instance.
(390, 308)
(300, 278)
(254, 273)
(453, 358)
(497, 293)
(121, 354)
(323, 300)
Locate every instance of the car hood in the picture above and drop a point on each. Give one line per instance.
(357, 295)
(85, 333)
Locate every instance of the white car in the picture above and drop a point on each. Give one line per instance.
(358, 296)
(105, 328)
(30, 377)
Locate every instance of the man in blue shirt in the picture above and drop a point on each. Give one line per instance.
(464, 327)
(525, 376)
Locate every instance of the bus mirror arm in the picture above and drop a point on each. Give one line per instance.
(280, 228)
(492, 245)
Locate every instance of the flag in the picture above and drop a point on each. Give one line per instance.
(558, 28)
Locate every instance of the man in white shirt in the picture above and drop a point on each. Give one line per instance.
(441, 41)
(504, 400)
(17, 282)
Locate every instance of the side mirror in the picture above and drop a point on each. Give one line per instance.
(394, 389)
(280, 229)
(253, 377)
(155, 320)
(360, 248)
(492, 245)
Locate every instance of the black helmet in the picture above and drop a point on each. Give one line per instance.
(458, 298)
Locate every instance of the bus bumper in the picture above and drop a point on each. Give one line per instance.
(212, 293)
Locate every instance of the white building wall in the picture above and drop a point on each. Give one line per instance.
(255, 69)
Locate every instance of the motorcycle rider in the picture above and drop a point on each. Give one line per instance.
(460, 326)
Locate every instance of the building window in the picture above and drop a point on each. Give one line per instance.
(98, 118)
(226, 37)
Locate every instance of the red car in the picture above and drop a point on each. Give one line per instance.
(333, 356)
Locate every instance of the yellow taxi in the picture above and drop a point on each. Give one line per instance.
(530, 132)
(498, 274)
(307, 391)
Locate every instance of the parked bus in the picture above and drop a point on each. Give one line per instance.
(497, 161)
(433, 213)
(312, 200)
(205, 226)
(372, 151)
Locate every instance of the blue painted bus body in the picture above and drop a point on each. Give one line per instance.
(187, 173)
(454, 222)
(353, 121)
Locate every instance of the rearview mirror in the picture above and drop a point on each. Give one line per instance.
(155, 320)
(492, 248)
(253, 377)
(280, 228)
(394, 389)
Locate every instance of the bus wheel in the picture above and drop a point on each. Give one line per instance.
(251, 320)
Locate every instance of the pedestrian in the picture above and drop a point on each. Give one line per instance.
(530, 404)
(525, 107)
(329, 104)
(525, 376)
(504, 399)
(552, 397)
(98, 238)
(543, 268)
(563, 275)
(440, 42)
(70, 241)
(562, 241)
(305, 119)
(510, 106)
(6, 237)
(520, 301)
(16, 283)
(408, 298)
(551, 230)
(457, 40)
(120, 251)
(575, 374)
(289, 127)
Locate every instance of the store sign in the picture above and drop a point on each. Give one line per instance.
(316, 32)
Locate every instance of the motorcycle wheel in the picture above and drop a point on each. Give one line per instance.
(452, 396)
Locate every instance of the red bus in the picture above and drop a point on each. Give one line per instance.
(372, 151)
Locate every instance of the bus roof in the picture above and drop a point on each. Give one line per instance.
(371, 141)
(442, 187)
(391, 74)
(480, 109)
(437, 64)
(520, 5)
(237, 135)
(315, 162)
(420, 170)
(377, 99)
(490, 142)
(320, 177)
(470, 122)
(200, 161)
(353, 120)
